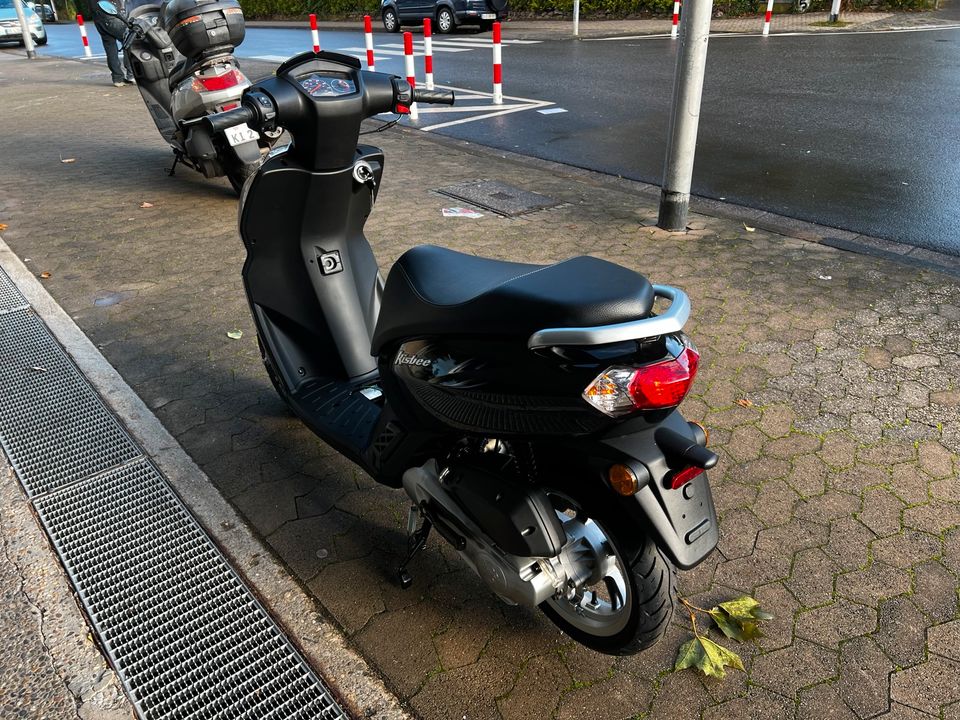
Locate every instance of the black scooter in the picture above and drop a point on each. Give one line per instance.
(529, 411)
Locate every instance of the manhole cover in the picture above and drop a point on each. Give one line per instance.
(498, 197)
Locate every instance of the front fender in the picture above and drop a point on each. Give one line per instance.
(683, 521)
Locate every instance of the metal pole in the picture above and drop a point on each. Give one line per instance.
(576, 18)
(835, 11)
(685, 118)
(25, 29)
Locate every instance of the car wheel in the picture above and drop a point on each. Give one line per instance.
(445, 21)
(391, 23)
(486, 25)
(41, 41)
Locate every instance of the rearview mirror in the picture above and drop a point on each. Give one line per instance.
(108, 7)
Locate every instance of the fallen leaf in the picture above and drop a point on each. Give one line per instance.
(146, 204)
(3, 227)
(743, 402)
(748, 228)
(706, 656)
(45, 275)
(235, 334)
(740, 630)
(745, 608)
(67, 161)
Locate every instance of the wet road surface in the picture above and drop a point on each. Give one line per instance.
(856, 131)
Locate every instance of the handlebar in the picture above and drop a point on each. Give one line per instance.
(219, 122)
(436, 97)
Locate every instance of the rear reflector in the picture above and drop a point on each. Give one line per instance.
(620, 390)
(682, 477)
(228, 79)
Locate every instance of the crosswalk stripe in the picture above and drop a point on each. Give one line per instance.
(419, 46)
(378, 51)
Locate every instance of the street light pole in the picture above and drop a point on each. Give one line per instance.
(835, 11)
(685, 117)
(25, 29)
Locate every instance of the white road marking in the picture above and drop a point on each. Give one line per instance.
(518, 104)
(552, 111)
(467, 108)
(418, 48)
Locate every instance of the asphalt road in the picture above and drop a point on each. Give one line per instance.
(856, 131)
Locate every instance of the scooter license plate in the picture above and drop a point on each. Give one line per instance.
(240, 134)
(488, 16)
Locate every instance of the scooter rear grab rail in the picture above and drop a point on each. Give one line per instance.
(671, 321)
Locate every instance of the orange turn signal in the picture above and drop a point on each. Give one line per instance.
(623, 480)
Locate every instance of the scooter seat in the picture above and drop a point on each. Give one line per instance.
(435, 291)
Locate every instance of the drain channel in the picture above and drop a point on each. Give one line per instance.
(185, 635)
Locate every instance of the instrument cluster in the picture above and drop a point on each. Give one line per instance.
(318, 85)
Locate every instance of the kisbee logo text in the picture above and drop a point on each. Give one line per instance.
(404, 359)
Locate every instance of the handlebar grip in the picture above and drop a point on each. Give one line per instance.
(218, 122)
(437, 97)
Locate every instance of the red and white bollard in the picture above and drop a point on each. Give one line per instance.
(497, 67)
(766, 18)
(676, 19)
(368, 36)
(408, 67)
(314, 33)
(83, 36)
(428, 53)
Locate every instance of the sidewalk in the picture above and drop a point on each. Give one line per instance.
(828, 381)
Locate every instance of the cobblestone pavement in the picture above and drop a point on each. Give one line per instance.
(828, 380)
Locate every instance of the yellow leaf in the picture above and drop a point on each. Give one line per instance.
(743, 402)
(45, 275)
(146, 204)
(748, 228)
(235, 334)
(2, 227)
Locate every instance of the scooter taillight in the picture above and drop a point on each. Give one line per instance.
(207, 83)
(621, 390)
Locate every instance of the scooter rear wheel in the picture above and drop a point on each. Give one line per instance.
(629, 608)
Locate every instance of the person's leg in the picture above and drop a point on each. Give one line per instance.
(113, 56)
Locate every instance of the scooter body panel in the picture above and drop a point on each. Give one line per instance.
(310, 271)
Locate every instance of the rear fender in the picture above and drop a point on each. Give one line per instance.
(683, 522)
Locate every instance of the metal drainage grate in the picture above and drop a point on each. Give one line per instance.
(10, 297)
(498, 197)
(187, 638)
(53, 427)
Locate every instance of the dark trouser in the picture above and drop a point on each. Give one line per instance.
(112, 49)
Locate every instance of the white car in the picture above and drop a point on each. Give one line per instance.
(10, 25)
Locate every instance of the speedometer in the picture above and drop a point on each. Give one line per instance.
(341, 86)
(310, 83)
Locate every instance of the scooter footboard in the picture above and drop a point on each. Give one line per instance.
(683, 521)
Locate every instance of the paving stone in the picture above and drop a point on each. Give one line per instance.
(935, 591)
(832, 624)
(537, 690)
(922, 687)
(951, 550)
(305, 545)
(906, 549)
(812, 577)
(777, 600)
(909, 484)
(901, 631)
(945, 640)
(792, 446)
(467, 692)
(757, 704)
(738, 533)
(881, 511)
(744, 574)
(827, 507)
(902, 712)
(858, 478)
(399, 645)
(808, 475)
(934, 517)
(864, 681)
(267, 506)
(619, 696)
(822, 702)
(680, 694)
(745, 444)
(776, 420)
(873, 584)
(849, 543)
(774, 504)
(797, 666)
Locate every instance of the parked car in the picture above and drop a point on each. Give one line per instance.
(44, 10)
(446, 14)
(10, 25)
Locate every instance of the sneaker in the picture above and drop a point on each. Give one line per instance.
(129, 81)
(119, 84)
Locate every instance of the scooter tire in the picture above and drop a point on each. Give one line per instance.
(651, 595)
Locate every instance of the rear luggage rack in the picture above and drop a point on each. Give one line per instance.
(670, 321)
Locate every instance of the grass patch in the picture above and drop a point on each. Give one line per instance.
(827, 23)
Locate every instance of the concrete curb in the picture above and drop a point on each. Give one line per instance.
(359, 689)
(761, 219)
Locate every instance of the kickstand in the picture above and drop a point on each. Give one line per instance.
(415, 542)
(173, 168)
